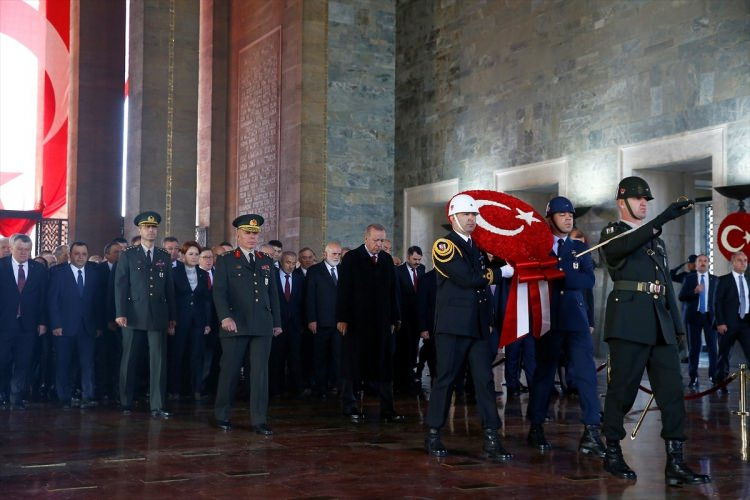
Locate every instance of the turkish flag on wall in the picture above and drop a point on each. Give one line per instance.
(46, 33)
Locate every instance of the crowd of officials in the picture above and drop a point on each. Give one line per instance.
(151, 324)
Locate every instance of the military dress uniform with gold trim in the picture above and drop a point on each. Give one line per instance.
(642, 322)
(144, 294)
(463, 314)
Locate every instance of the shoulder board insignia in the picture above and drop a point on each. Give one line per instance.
(162, 250)
(131, 247)
(443, 250)
(227, 252)
(610, 230)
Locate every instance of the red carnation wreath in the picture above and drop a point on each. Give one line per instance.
(512, 230)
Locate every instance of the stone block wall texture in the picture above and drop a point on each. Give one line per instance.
(483, 86)
(360, 118)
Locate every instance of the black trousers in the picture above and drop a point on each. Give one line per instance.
(327, 355)
(285, 363)
(726, 341)
(627, 360)
(452, 352)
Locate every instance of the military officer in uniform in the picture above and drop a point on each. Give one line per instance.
(642, 323)
(462, 324)
(145, 310)
(247, 303)
(569, 326)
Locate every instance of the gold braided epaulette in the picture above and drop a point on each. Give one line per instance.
(443, 250)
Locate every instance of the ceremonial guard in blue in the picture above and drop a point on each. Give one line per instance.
(641, 327)
(145, 309)
(569, 326)
(247, 303)
(463, 314)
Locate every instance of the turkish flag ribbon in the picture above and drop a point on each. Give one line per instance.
(529, 298)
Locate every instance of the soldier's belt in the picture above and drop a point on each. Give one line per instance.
(641, 286)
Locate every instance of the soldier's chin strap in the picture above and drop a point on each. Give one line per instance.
(458, 223)
(630, 210)
(552, 221)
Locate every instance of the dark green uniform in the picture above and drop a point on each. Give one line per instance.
(641, 328)
(247, 293)
(144, 294)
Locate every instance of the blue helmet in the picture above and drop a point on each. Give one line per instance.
(559, 204)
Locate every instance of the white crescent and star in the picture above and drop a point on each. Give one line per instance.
(724, 238)
(527, 217)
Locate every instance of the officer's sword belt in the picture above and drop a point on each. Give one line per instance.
(641, 286)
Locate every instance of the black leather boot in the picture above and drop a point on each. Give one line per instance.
(615, 464)
(492, 446)
(591, 442)
(677, 473)
(434, 445)
(536, 438)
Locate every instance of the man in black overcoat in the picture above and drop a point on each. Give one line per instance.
(367, 316)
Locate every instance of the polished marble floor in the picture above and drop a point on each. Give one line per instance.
(315, 453)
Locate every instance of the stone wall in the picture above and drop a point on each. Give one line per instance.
(483, 86)
(360, 118)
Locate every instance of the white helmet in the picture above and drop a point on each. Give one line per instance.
(462, 203)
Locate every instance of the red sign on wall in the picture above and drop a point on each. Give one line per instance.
(734, 234)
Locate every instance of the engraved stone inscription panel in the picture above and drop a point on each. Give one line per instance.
(258, 130)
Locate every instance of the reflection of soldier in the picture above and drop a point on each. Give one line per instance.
(247, 303)
(462, 325)
(641, 326)
(570, 327)
(145, 304)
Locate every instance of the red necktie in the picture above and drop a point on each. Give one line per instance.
(414, 273)
(374, 259)
(287, 289)
(21, 284)
(210, 282)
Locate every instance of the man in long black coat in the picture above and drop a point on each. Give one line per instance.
(367, 315)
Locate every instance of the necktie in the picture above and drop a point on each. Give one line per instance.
(210, 282)
(333, 275)
(287, 288)
(702, 298)
(469, 242)
(374, 259)
(414, 274)
(148, 256)
(21, 284)
(80, 282)
(743, 298)
(560, 242)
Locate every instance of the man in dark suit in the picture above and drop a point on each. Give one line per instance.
(108, 346)
(462, 325)
(247, 303)
(697, 295)
(426, 294)
(367, 315)
(145, 310)
(408, 277)
(23, 298)
(641, 326)
(320, 308)
(285, 364)
(76, 317)
(569, 327)
(732, 314)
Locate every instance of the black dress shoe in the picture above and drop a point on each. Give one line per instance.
(537, 440)
(224, 425)
(693, 383)
(493, 448)
(263, 429)
(19, 406)
(591, 443)
(87, 403)
(393, 418)
(160, 413)
(434, 445)
(354, 415)
(127, 410)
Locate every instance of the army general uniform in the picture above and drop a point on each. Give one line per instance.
(144, 294)
(245, 289)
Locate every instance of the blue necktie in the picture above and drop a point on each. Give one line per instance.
(80, 283)
(702, 299)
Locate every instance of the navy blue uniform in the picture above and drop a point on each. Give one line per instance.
(569, 323)
(463, 315)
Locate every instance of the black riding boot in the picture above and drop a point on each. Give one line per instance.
(677, 473)
(492, 446)
(615, 464)
(591, 442)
